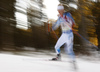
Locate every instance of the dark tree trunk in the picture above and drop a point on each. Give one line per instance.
(6, 24)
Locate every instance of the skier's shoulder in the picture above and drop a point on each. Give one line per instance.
(67, 13)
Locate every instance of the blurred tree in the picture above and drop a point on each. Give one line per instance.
(96, 14)
(84, 11)
(7, 23)
(35, 17)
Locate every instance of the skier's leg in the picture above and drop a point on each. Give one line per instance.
(71, 52)
(59, 43)
(69, 47)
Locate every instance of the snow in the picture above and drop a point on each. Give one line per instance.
(38, 63)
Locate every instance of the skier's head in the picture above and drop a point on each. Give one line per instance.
(60, 9)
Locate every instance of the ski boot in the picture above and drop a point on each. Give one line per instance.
(58, 58)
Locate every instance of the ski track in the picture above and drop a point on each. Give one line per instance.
(15, 63)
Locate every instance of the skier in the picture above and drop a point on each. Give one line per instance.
(66, 22)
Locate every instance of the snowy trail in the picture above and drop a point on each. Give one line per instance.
(15, 63)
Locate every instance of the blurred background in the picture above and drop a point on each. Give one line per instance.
(24, 27)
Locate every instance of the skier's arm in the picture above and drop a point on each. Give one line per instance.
(56, 24)
(73, 22)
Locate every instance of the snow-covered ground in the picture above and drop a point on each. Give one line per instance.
(38, 63)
